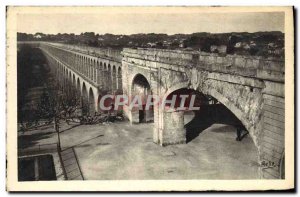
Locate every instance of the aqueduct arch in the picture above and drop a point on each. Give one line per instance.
(91, 102)
(141, 87)
(85, 100)
(74, 80)
(78, 86)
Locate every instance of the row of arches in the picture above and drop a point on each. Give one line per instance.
(85, 91)
(104, 73)
(89, 94)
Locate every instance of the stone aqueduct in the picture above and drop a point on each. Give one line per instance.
(252, 88)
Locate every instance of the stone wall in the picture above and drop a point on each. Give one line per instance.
(247, 86)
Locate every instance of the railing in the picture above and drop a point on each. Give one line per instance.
(250, 66)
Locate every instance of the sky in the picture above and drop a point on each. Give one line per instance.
(135, 21)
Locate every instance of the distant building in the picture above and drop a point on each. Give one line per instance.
(182, 45)
(246, 46)
(252, 43)
(37, 36)
(150, 44)
(166, 43)
(238, 45)
(222, 49)
(271, 45)
(213, 48)
(218, 49)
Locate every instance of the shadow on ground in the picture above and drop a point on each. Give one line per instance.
(25, 141)
(207, 116)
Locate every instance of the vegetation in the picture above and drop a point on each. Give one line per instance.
(268, 44)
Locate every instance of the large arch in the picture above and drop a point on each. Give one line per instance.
(141, 88)
(223, 100)
(213, 118)
(233, 116)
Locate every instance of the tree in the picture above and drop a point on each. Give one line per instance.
(56, 105)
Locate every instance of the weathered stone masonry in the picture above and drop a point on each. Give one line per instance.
(251, 88)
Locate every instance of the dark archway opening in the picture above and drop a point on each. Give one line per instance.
(91, 103)
(141, 88)
(85, 102)
(211, 112)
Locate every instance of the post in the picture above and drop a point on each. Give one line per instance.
(56, 125)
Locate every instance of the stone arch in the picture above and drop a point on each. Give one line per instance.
(91, 102)
(85, 100)
(101, 73)
(65, 79)
(94, 70)
(98, 70)
(135, 76)
(78, 85)
(141, 87)
(223, 100)
(74, 80)
(84, 66)
(213, 110)
(109, 75)
(114, 78)
(119, 78)
(90, 63)
(98, 103)
(70, 76)
(237, 112)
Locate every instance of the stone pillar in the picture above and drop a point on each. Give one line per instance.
(149, 115)
(173, 131)
(134, 115)
(156, 138)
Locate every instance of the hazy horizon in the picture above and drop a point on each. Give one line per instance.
(145, 20)
(151, 33)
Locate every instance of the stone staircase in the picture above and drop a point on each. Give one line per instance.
(71, 165)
